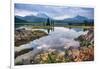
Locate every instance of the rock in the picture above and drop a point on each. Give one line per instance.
(23, 52)
(23, 36)
(82, 54)
(86, 50)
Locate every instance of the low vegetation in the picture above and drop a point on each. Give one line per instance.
(70, 55)
(86, 27)
(19, 63)
(84, 53)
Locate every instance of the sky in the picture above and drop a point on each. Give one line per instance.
(55, 12)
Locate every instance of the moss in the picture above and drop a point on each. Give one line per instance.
(51, 57)
(85, 43)
(71, 55)
(18, 63)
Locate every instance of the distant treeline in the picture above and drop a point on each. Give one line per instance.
(85, 23)
(51, 22)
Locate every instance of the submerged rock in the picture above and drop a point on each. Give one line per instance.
(84, 52)
(73, 54)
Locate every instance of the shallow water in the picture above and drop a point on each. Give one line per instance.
(61, 38)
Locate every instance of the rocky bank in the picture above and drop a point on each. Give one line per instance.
(23, 36)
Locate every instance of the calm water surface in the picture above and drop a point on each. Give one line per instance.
(60, 38)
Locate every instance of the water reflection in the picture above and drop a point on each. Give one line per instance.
(78, 29)
(59, 38)
(50, 29)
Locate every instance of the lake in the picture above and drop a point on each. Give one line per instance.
(58, 38)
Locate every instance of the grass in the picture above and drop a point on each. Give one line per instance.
(48, 27)
(78, 26)
(42, 27)
(19, 63)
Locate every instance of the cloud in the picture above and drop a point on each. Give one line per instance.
(20, 12)
(61, 17)
(53, 11)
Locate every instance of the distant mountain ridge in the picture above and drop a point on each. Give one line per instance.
(41, 18)
(19, 20)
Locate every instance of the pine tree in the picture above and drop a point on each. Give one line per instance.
(48, 22)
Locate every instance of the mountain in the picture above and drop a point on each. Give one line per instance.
(76, 19)
(19, 20)
(35, 19)
(19, 17)
(41, 18)
(42, 15)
